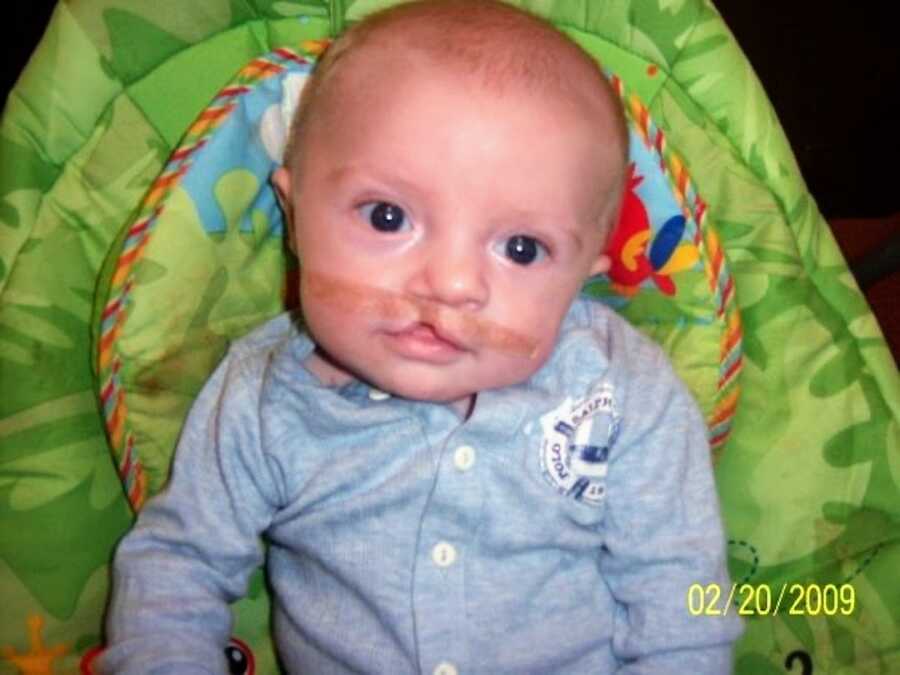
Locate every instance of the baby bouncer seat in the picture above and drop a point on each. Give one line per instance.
(139, 235)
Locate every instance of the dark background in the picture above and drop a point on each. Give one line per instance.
(832, 72)
(24, 25)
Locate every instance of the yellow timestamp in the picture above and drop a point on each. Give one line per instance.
(763, 600)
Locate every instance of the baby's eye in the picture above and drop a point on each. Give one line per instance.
(384, 216)
(524, 250)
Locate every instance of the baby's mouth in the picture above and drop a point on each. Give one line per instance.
(422, 322)
(427, 338)
(424, 331)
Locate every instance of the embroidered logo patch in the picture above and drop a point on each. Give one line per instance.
(577, 437)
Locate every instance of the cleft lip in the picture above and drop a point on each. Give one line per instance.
(428, 332)
(424, 340)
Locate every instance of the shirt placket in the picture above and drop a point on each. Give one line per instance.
(446, 536)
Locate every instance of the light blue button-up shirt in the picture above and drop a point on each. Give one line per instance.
(556, 530)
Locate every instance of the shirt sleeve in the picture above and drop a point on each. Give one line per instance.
(195, 545)
(664, 532)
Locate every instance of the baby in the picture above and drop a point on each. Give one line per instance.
(458, 467)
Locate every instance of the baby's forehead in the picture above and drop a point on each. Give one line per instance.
(498, 74)
(499, 55)
(489, 47)
(502, 44)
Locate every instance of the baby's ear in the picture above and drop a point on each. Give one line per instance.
(281, 181)
(601, 264)
(603, 261)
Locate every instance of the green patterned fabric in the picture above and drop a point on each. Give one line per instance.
(809, 480)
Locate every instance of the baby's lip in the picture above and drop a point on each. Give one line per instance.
(429, 331)
(396, 312)
(423, 341)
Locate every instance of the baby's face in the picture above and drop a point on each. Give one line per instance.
(444, 230)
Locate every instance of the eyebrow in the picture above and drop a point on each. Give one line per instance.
(343, 174)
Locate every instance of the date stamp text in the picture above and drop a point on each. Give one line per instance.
(766, 600)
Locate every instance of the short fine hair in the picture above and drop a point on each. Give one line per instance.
(500, 45)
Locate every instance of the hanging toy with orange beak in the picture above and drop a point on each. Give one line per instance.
(637, 254)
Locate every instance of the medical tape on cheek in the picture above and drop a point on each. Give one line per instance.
(349, 297)
(471, 331)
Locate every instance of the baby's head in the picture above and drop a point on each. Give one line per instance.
(453, 172)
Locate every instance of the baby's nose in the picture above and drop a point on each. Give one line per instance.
(453, 277)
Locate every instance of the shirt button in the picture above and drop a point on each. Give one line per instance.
(378, 395)
(445, 668)
(443, 554)
(464, 457)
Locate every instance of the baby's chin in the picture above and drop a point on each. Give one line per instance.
(435, 383)
(452, 388)
(419, 389)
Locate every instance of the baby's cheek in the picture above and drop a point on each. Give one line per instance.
(353, 299)
(508, 369)
(489, 335)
